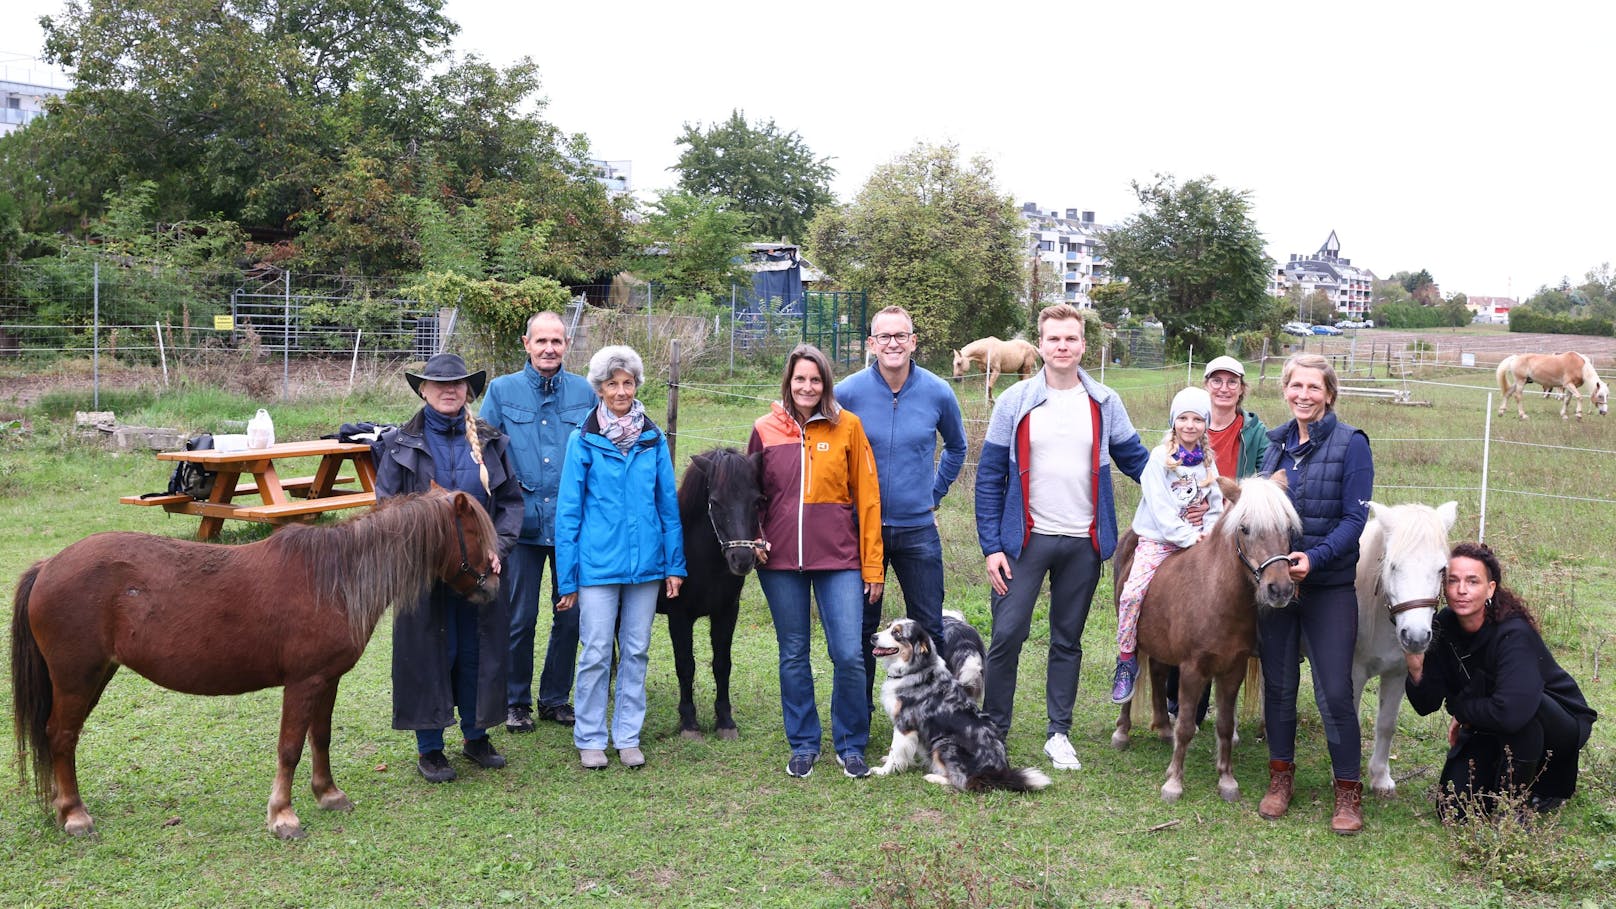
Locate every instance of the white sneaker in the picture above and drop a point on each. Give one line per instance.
(1061, 754)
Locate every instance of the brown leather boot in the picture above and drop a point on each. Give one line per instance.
(1281, 777)
(1348, 817)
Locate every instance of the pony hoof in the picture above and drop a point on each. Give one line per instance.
(693, 735)
(1385, 790)
(80, 825)
(290, 831)
(340, 802)
(1170, 793)
(1230, 793)
(1119, 740)
(729, 733)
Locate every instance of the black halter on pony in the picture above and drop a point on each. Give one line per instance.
(759, 545)
(478, 577)
(1257, 570)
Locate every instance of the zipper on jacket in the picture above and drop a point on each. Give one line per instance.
(802, 492)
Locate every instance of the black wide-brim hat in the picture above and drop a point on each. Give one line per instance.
(447, 367)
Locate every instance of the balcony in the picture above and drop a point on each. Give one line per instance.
(12, 116)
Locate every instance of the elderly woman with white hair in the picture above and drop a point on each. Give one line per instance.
(618, 539)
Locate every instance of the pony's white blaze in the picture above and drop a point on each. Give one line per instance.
(1402, 554)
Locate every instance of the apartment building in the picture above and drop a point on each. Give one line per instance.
(24, 89)
(1348, 286)
(1068, 244)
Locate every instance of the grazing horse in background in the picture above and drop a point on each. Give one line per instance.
(996, 356)
(1402, 557)
(293, 610)
(719, 500)
(1200, 613)
(1570, 370)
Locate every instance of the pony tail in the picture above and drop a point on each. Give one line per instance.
(477, 449)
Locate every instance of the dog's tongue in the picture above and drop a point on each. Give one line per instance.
(883, 651)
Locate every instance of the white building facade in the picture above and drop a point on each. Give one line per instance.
(1348, 286)
(1067, 244)
(24, 89)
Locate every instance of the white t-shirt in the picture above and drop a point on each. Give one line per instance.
(1061, 491)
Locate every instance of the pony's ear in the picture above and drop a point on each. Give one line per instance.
(1378, 512)
(1281, 479)
(1448, 512)
(433, 488)
(757, 464)
(1229, 488)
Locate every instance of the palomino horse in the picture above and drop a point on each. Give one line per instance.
(1570, 370)
(293, 610)
(996, 356)
(1200, 614)
(1402, 555)
(718, 506)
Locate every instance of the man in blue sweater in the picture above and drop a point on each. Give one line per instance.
(904, 409)
(538, 408)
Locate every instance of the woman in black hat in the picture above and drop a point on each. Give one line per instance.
(448, 653)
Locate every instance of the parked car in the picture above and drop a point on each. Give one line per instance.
(1351, 323)
(1300, 329)
(1326, 330)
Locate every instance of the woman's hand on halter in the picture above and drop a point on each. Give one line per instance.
(1300, 566)
(672, 584)
(567, 601)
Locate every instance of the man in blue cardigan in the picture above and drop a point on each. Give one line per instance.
(1044, 505)
(538, 408)
(905, 409)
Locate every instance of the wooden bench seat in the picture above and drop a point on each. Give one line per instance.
(170, 499)
(307, 506)
(293, 486)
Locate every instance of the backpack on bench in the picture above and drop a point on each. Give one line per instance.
(190, 478)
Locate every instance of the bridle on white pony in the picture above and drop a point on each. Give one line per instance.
(1393, 610)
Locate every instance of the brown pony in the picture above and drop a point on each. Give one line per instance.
(996, 356)
(1200, 613)
(1569, 370)
(293, 610)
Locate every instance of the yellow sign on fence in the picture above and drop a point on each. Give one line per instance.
(224, 323)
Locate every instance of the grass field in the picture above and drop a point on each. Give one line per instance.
(177, 784)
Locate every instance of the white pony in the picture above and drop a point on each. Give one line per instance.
(1402, 559)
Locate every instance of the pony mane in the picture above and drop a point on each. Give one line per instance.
(1418, 527)
(389, 555)
(1263, 506)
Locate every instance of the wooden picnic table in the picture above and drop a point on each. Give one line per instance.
(328, 489)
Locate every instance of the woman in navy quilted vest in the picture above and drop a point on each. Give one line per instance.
(1330, 473)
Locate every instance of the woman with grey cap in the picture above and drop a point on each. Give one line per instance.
(618, 542)
(447, 652)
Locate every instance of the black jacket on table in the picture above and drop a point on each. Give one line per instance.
(1493, 680)
(421, 695)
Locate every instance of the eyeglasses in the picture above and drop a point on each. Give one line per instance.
(1223, 383)
(901, 337)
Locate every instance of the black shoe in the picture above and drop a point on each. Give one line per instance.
(481, 752)
(435, 767)
(519, 719)
(559, 713)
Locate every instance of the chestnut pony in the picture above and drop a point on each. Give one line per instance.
(996, 356)
(719, 500)
(293, 610)
(1200, 613)
(1570, 370)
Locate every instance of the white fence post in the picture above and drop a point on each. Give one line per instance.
(1486, 452)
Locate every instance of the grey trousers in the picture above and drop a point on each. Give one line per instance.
(1073, 567)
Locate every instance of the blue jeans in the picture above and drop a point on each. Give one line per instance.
(915, 555)
(840, 595)
(1327, 619)
(623, 612)
(461, 639)
(524, 577)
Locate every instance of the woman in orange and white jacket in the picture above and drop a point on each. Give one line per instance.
(822, 518)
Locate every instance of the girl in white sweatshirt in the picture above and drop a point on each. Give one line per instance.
(1182, 471)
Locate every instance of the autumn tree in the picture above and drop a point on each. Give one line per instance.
(769, 176)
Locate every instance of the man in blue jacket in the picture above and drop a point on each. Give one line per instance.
(538, 408)
(1045, 506)
(904, 409)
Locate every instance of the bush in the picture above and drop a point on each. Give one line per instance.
(1527, 319)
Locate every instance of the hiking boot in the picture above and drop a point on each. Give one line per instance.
(1122, 684)
(1348, 817)
(1281, 781)
(631, 757)
(519, 719)
(592, 758)
(435, 767)
(1061, 753)
(853, 765)
(481, 752)
(558, 713)
(801, 765)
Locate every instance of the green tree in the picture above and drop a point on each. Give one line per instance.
(692, 243)
(770, 176)
(933, 234)
(1195, 259)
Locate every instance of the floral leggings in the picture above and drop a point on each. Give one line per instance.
(1146, 559)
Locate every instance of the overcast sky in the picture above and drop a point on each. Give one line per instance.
(1466, 139)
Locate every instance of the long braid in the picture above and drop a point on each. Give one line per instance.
(476, 448)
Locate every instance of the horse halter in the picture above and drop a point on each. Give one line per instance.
(757, 545)
(1393, 610)
(478, 577)
(1257, 570)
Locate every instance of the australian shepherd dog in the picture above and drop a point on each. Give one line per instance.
(966, 653)
(935, 724)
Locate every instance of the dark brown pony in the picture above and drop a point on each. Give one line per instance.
(719, 500)
(293, 610)
(1200, 613)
